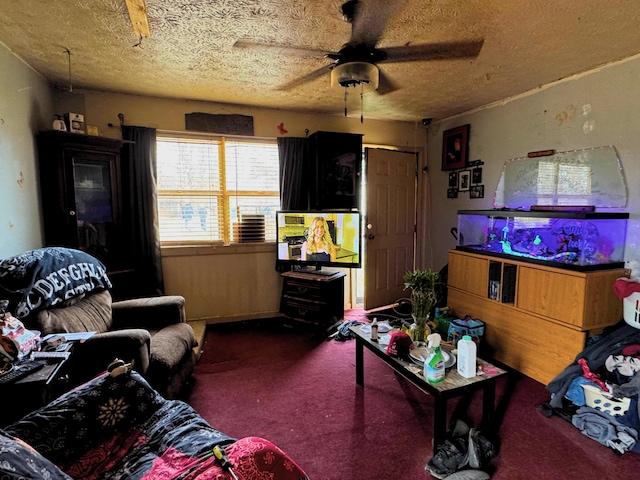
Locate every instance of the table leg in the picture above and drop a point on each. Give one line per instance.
(488, 404)
(439, 422)
(359, 362)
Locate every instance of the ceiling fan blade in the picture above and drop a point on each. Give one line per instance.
(282, 49)
(433, 51)
(370, 20)
(304, 79)
(385, 84)
(138, 14)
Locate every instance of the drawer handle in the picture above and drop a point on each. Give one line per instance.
(303, 289)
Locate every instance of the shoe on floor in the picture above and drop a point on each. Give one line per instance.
(458, 428)
(480, 449)
(450, 457)
(468, 475)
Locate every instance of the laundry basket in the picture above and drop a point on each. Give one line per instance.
(601, 401)
(631, 306)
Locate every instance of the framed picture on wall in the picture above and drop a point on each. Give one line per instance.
(455, 147)
(453, 179)
(464, 181)
(452, 192)
(476, 175)
(477, 191)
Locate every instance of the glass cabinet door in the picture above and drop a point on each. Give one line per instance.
(94, 206)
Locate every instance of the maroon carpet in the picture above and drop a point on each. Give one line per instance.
(299, 391)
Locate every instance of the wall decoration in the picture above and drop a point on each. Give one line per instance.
(455, 147)
(453, 179)
(452, 192)
(464, 180)
(281, 129)
(226, 124)
(477, 191)
(476, 176)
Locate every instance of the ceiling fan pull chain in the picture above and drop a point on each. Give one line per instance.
(345, 102)
(361, 102)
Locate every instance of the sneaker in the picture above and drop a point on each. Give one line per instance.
(480, 449)
(458, 428)
(468, 475)
(450, 457)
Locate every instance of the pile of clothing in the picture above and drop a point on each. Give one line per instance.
(609, 365)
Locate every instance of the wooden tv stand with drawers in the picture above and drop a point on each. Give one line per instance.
(314, 300)
(537, 318)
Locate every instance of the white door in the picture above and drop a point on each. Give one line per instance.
(390, 225)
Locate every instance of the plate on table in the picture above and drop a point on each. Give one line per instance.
(419, 354)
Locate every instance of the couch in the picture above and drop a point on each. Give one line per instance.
(118, 427)
(63, 290)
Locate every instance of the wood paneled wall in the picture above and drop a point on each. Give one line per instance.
(227, 283)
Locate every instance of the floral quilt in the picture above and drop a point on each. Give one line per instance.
(119, 428)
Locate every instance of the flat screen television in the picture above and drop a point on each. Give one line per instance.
(312, 240)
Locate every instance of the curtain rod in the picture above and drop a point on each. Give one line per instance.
(183, 133)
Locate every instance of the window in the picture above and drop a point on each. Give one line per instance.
(217, 190)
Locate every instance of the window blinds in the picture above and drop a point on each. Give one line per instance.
(217, 191)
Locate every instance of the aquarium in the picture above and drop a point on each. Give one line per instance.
(574, 240)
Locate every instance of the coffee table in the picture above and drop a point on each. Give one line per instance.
(452, 386)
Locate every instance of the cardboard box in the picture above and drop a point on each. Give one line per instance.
(75, 122)
(93, 130)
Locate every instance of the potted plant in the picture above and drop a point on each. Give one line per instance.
(423, 297)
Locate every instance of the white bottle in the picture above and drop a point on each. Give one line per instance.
(466, 357)
(374, 330)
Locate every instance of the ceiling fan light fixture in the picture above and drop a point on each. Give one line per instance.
(353, 74)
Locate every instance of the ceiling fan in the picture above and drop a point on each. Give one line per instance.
(356, 63)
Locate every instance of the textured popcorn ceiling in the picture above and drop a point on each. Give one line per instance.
(190, 54)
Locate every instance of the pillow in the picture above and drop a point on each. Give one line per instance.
(88, 416)
(91, 314)
(41, 278)
(18, 460)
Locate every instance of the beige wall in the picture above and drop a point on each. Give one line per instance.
(168, 114)
(595, 109)
(235, 282)
(25, 108)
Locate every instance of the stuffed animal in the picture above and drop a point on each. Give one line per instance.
(634, 270)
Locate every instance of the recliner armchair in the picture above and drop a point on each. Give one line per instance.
(152, 332)
(64, 290)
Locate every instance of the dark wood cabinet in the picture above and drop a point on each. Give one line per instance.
(337, 176)
(81, 194)
(314, 300)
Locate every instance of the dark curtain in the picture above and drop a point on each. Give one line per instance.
(294, 178)
(139, 178)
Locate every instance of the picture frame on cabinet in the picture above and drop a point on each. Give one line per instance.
(455, 147)
(464, 181)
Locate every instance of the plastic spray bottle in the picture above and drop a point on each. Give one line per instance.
(434, 364)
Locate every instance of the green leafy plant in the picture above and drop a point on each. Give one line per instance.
(423, 290)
